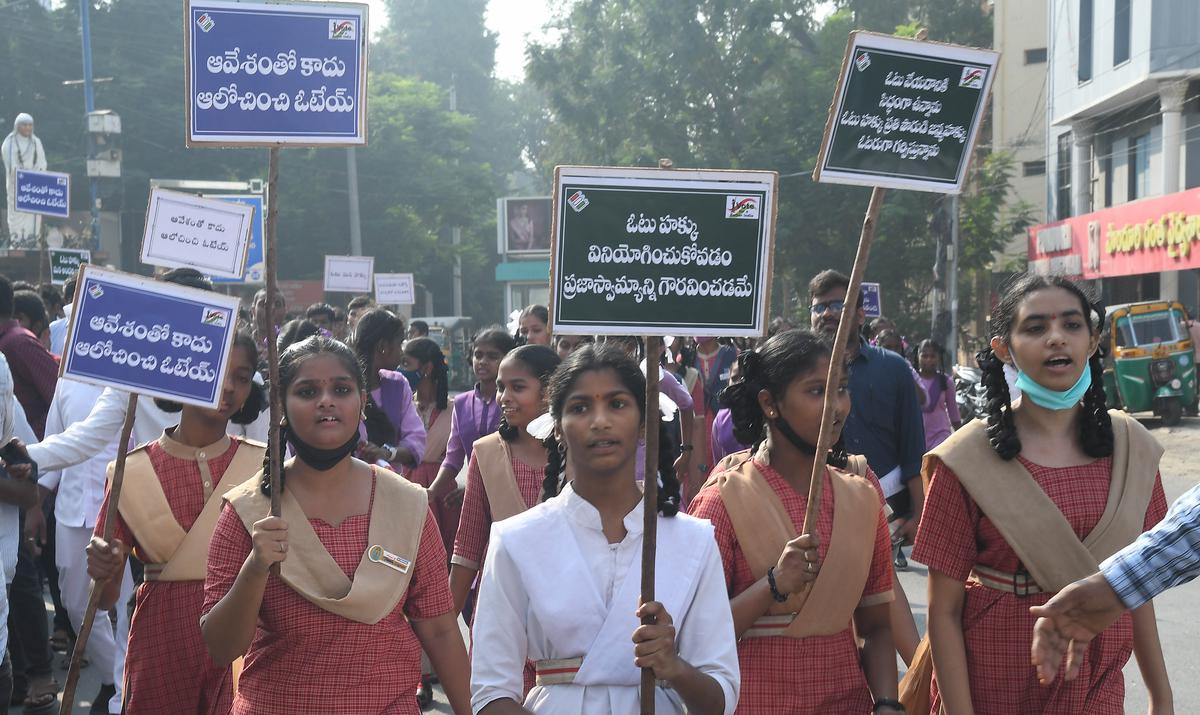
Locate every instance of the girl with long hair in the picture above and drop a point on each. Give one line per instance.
(505, 471)
(392, 431)
(1025, 503)
(360, 589)
(939, 409)
(801, 598)
(166, 517)
(561, 586)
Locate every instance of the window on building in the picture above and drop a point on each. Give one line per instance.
(1122, 19)
(1085, 40)
(1035, 56)
(1138, 168)
(1106, 167)
(1033, 168)
(1062, 208)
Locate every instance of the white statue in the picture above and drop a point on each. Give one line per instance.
(21, 150)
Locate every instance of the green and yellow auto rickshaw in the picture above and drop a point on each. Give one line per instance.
(1151, 360)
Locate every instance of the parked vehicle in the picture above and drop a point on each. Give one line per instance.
(1151, 362)
(969, 393)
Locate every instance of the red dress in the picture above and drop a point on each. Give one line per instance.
(997, 627)
(819, 674)
(167, 666)
(470, 544)
(307, 661)
(424, 473)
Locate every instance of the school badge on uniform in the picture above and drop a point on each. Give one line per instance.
(380, 555)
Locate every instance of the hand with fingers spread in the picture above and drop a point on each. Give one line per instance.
(798, 565)
(1068, 622)
(654, 645)
(105, 559)
(270, 539)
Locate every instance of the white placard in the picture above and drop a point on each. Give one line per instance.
(349, 274)
(395, 289)
(187, 231)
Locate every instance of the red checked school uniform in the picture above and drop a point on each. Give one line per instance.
(955, 536)
(816, 673)
(306, 659)
(167, 666)
(498, 486)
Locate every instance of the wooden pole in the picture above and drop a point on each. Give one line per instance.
(837, 359)
(269, 258)
(650, 504)
(110, 520)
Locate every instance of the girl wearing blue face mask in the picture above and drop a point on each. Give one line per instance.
(424, 364)
(391, 430)
(1022, 504)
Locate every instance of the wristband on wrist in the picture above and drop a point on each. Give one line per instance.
(775, 594)
(888, 703)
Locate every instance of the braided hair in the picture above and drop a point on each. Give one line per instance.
(426, 351)
(289, 367)
(590, 358)
(1095, 425)
(782, 359)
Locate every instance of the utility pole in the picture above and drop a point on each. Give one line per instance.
(356, 248)
(89, 106)
(456, 231)
(952, 281)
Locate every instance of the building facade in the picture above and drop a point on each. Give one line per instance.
(1122, 118)
(1019, 99)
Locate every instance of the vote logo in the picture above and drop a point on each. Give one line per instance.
(205, 22)
(342, 29)
(972, 77)
(216, 317)
(862, 62)
(744, 207)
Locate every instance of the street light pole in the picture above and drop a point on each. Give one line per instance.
(89, 106)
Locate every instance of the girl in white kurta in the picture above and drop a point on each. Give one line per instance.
(561, 581)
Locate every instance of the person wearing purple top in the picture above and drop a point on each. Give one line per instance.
(392, 431)
(722, 442)
(476, 413)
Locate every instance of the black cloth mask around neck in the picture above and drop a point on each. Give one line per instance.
(320, 459)
(797, 441)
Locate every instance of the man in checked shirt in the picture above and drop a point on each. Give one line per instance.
(1164, 557)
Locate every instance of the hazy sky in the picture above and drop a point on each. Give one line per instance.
(513, 21)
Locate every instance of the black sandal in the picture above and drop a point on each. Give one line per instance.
(425, 693)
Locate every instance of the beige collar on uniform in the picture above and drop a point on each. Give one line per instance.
(199, 455)
(175, 448)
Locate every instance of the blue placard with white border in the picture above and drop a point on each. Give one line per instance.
(153, 338)
(255, 260)
(276, 73)
(43, 192)
(872, 300)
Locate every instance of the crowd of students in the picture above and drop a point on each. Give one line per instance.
(517, 506)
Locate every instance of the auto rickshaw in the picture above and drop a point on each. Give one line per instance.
(1151, 364)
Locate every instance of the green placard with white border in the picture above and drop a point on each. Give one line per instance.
(905, 114)
(661, 251)
(65, 262)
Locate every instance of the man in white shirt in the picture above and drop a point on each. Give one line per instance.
(13, 483)
(79, 493)
(58, 327)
